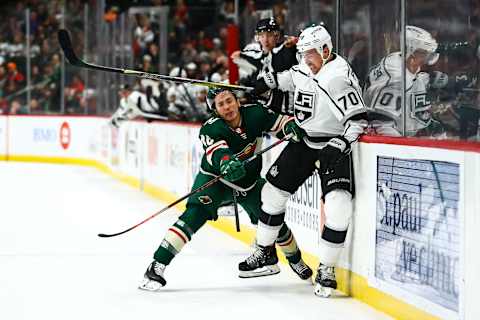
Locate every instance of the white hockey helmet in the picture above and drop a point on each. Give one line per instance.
(314, 37)
(420, 39)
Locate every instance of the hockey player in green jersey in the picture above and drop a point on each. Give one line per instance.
(230, 135)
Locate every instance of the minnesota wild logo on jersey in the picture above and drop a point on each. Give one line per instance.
(218, 139)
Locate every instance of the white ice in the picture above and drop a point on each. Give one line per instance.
(53, 266)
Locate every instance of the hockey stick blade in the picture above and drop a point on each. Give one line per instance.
(201, 188)
(67, 48)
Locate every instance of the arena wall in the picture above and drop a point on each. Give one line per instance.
(411, 250)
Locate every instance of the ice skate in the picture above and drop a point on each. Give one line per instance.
(262, 262)
(301, 269)
(325, 281)
(153, 278)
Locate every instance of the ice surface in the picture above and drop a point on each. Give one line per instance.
(53, 266)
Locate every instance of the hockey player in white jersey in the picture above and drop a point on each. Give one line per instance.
(270, 51)
(383, 87)
(134, 104)
(329, 110)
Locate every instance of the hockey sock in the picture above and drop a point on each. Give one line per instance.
(287, 243)
(268, 227)
(338, 210)
(177, 236)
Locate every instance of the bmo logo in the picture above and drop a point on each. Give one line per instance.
(65, 135)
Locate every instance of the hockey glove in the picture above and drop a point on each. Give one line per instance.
(116, 121)
(270, 79)
(334, 151)
(232, 169)
(292, 127)
(266, 80)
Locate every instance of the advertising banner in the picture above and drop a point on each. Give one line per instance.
(54, 136)
(166, 153)
(3, 135)
(418, 229)
(303, 213)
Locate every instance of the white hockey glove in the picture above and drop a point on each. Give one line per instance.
(334, 151)
(269, 78)
(114, 122)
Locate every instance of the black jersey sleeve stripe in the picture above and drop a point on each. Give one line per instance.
(333, 101)
(360, 114)
(297, 69)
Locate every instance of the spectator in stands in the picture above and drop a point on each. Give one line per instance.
(147, 64)
(35, 106)
(73, 95)
(154, 52)
(3, 79)
(191, 69)
(17, 108)
(143, 35)
(203, 42)
(14, 75)
(227, 12)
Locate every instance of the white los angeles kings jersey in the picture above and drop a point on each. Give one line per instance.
(325, 103)
(383, 94)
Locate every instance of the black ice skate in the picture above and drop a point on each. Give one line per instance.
(325, 281)
(301, 269)
(153, 278)
(262, 262)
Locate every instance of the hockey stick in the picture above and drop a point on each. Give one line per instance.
(66, 45)
(235, 210)
(201, 188)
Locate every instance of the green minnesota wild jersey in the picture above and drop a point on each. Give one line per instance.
(219, 139)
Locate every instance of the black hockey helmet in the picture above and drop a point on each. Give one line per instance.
(267, 25)
(212, 93)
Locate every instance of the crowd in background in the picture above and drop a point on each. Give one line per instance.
(197, 38)
(196, 49)
(33, 84)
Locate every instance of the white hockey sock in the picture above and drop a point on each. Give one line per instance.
(266, 235)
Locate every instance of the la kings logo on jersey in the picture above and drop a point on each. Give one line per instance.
(304, 105)
(421, 108)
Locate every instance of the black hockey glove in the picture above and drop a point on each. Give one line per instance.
(334, 151)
